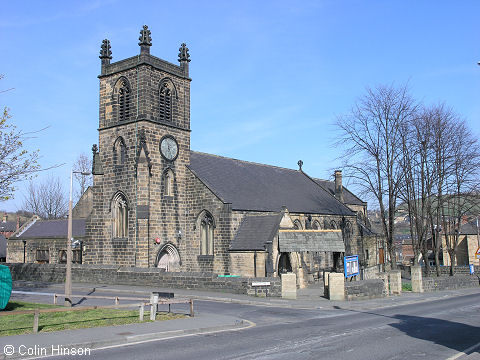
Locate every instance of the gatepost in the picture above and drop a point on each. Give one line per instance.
(336, 286)
(386, 287)
(395, 280)
(417, 279)
(289, 286)
(325, 283)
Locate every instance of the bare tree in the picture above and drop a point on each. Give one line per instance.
(16, 163)
(83, 164)
(414, 191)
(371, 136)
(461, 185)
(440, 160)
(47, 199)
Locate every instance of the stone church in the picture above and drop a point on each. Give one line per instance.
(157, 203)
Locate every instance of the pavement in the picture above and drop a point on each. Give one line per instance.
(203, 322)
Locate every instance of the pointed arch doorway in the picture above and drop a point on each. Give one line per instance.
(168, 258)
(284, 264)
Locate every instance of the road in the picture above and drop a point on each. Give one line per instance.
(439, 329)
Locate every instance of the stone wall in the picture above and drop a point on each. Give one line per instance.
(449, 282)
(364, 289)
(371, 272)
(444, 271)
(458, 270)
(142, 276)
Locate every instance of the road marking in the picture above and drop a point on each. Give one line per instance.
(250, 325)
(464, 352)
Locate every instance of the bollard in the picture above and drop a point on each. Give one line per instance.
(141, 312)
(191, 308)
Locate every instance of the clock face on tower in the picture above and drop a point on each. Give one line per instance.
(169, 147)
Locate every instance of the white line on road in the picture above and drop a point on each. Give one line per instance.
(464, 352)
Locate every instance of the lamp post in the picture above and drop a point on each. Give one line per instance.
(68, 280)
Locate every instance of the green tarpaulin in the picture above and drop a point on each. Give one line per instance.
(5, 286)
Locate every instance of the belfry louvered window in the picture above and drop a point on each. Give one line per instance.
(123, 93)
(165, 103)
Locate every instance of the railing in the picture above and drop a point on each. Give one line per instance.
(141, 306)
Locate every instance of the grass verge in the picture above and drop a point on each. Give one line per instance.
(55, 321)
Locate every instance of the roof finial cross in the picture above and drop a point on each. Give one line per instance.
(300, 164)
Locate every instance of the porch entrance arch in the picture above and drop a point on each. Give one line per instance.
(284, 263)
(168, 258)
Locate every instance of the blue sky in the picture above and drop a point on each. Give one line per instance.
(268, 77)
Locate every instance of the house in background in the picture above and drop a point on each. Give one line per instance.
(7, 228)
(468, 244)
(3, 248)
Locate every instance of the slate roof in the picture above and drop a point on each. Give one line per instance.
(255, 231)
(470, 228)
(54, 229)
(3, 246)
(365, 231)
(8, 226)
(258, 187)
(348, 196)
(310, 240)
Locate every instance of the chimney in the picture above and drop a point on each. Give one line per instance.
(18, 222)
(5, 217)
(338, 185)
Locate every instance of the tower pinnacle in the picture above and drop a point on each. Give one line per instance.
(145, 40)
(183, 54)
(105, 52)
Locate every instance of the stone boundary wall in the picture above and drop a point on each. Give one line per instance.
(444, 271)
(143, 276)
(450, 282)
(371, 272)
(364, 289)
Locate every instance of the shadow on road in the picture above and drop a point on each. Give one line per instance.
(454, 335)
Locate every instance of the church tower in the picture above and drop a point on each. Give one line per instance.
(140, 162)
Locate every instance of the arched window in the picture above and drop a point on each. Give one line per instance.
(348, 231)
(333, 225)
(316, 225)
(122, 93)
(119, 151)
(165, 104)
(297, 225)
(206, 234)
(120, 216)
(326, 224)
(168, 179)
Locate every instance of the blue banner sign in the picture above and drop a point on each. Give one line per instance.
(350, 265)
